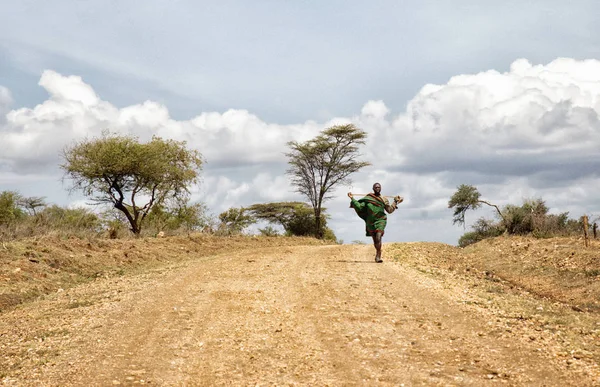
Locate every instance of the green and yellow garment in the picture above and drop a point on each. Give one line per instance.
(372, 209)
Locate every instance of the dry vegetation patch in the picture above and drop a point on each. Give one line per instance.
(258, 311)
(33, 267)
(540, 290)
(558, 269)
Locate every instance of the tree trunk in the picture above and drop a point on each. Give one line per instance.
(586, 226)
(318, 233)
(134, 227)
(497, 210)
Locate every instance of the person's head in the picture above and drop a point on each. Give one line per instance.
(377, 188)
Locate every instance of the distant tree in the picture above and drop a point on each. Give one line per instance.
(281, 213)
(302, 223)
(530, 217)
(235, 220)
(296, 218)
(467, 197)
(177, 216)
(193, 216)
(132, 176)
(10, 210)
(31, 204)
(318, 165)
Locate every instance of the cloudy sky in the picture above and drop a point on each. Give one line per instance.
(503, 95)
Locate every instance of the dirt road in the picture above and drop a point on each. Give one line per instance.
(303, 315)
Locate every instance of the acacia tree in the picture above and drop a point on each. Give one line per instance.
(282, 213)
(32, 203)
(318, 165)
(468, 197)
(296, 218)
(235, 220)
(132, 176)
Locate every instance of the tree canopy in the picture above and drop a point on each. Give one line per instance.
(177, 216)
(235, 220)
(465, 198)
(296, 218)
(132, 176)
(530, 218)
(318, 165)
(281, 213)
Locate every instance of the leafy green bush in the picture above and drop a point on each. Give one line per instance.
(527, 218)
(22, 217)
(296, 218)
(68, 219)
(268, 231)
(530, 218)
(483, 228)
(469, 238)
(176, 217)
(10, 210)
(234, 221)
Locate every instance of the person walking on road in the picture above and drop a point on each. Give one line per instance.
(372, 209)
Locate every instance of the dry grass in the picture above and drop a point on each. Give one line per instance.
(558, 269)
(539, 294)
(33, 267)
(547, 285)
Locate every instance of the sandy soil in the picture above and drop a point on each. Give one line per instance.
(300, 315)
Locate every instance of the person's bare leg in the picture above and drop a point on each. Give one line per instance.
(377, 244)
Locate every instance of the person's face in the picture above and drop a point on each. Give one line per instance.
(377, 188)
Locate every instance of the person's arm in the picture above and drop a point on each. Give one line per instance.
(389, 208)
(355, 203)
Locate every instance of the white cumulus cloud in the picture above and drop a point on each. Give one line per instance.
(530, 119)
(532, 131)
